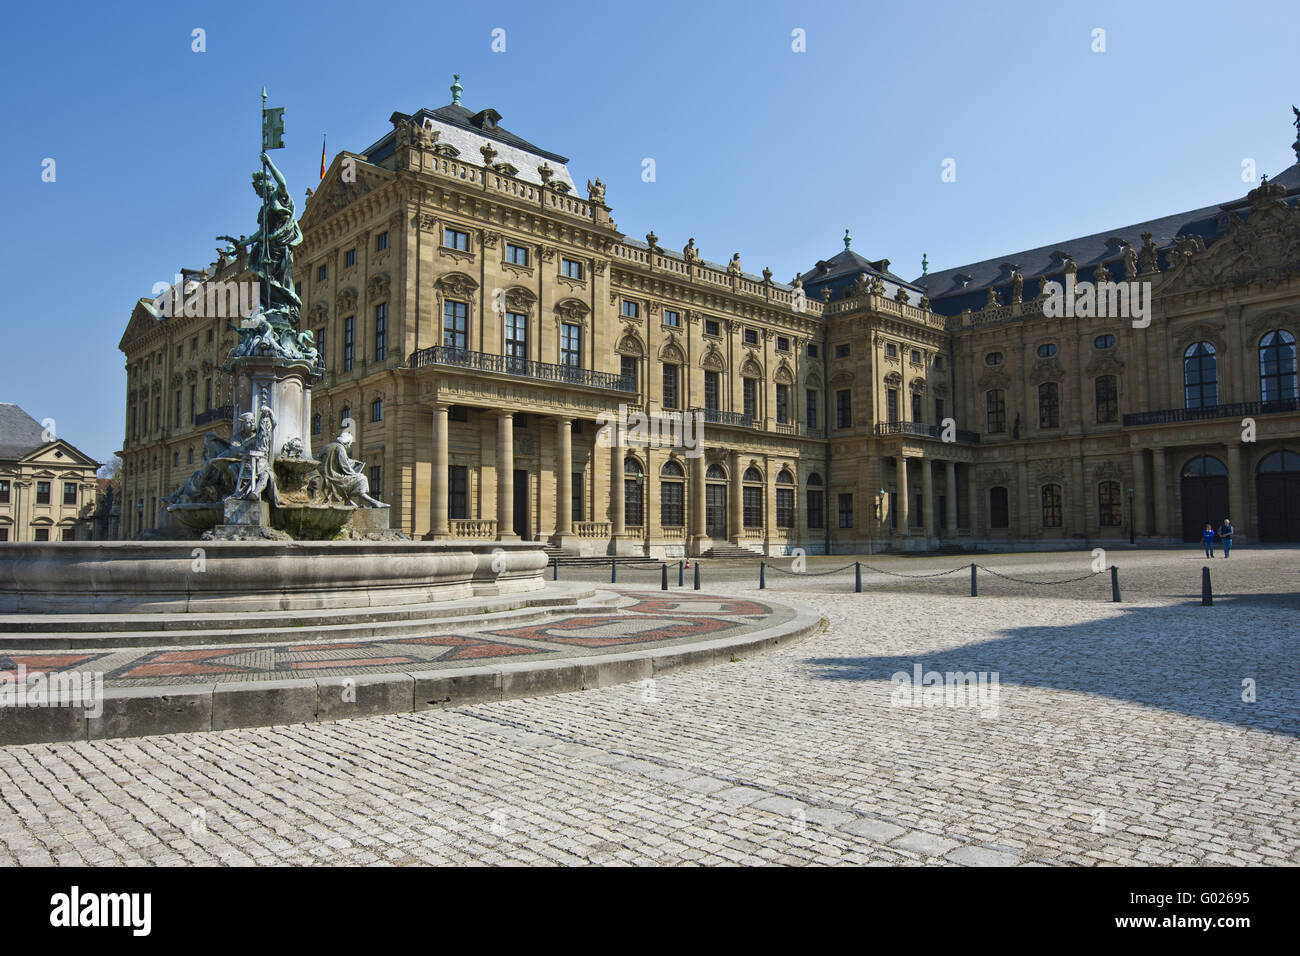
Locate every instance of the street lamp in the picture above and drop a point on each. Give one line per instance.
(1132, 519)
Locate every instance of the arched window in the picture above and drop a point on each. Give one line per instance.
(672, 495)
(785, 499)
(752, 498)
(1051, 506)
(1110, 507)
(1200, 376)
(1106, 397)
(1277, 366)
(816, 501)
(716, 473)
(633, 485)
(1281, 461)
(1049, 405)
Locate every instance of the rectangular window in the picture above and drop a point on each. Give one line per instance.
(571, 345)
(782, 343)
(69, 492)
(918, 407)
(4, 492)
(455, 325)
(516, 255)
(628, 366)
(321, 273)
(844, 408)
(670, 386)
(1107, 397)
(783, 405)
(812, 351)
(1051, 506)
(842, 351)
(846, 511)
(673, 318)
(41, 534)
(672, 504)
(891, 350)
(1049, 405)
(579, 513)
(891, 404)
(752, 506)
(751, 336)
(381, 242)
(749, 392)
(455, 239)
(194, 395)
(1110, 509)
(915, 357)
(711, 327)
(458, 491)
(376, 480)
(995, 403)
(42, 492)
(711, 389)
(350, 258)
(381, 331)
(938, 411)
(349, 342)
(999, 511)
(207, 395)
(176, 410)
(571, 268)
(631, 310)
(4, 534)
(816, 502)
(810, 407)
(785, 507)
(319, 336)
(516, 343)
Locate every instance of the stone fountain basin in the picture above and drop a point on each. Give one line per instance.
(76, 577)
(311, 522)
(197, 517)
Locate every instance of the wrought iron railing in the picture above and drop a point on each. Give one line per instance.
(524, 368)
(1166, 416)
(925, 431)
(222, 414)
(716, 416)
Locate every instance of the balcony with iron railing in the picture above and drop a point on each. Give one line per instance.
(1169, 416)
(716, 416)
(923, 430)
(222, 414)
(521, 368)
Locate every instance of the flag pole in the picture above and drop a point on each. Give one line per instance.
(265, 291)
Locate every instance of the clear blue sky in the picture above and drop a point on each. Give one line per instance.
(759, 150)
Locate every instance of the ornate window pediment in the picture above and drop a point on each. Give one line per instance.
(572, 310)
(457, 284)
(378, 286)
(751, 368)
(892, 379)
(347, 299)
(519, 299)
(630, 344)
(1046, 370)
(713, 360)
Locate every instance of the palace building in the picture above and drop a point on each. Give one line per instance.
(48, 489)
(480, 319)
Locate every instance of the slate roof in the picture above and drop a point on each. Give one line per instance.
(949, 297)
(842, 269)
(20, 434)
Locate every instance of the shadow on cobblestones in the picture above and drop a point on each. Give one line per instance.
(1182, 658)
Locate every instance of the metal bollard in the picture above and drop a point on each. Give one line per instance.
(555, 575)
(762, 576)
(1207, 594)
(613, 572)
(1114, 584)
(697, 575)
(663, 579)
(681, 575)
(974, 585)
(857, 577)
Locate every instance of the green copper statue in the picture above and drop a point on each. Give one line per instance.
(270, 248)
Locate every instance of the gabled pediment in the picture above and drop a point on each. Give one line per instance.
(335, 193)
(57, 454)
(144, 318)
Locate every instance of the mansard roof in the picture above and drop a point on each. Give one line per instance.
(843, 269)
(966, 287)
(21, 435)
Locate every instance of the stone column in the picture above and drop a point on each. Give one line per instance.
(972, 501)
(904, 507)
(697, 504)
(1162, 492)
(927, 499)
(506, 476)
(563, 482)
(950, 496)
(735, 501)
(617, 528)
(1237, 494)
(1139, 517)
(439, 526)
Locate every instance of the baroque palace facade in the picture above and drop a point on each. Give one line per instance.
(479, 320)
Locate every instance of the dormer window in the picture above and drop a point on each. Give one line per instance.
(486, 119)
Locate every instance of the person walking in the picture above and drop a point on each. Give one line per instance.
(1207, 536)
(1225, 534)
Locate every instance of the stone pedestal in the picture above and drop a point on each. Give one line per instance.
(244, 518)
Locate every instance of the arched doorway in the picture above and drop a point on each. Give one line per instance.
(715, 502)
(1205, 495)
(1277, 488)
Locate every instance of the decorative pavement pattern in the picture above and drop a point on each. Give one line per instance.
(641, 620)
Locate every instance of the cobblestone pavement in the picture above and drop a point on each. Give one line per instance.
(1118, 734)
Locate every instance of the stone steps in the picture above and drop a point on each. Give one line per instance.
(63, 632)
(732, 551)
